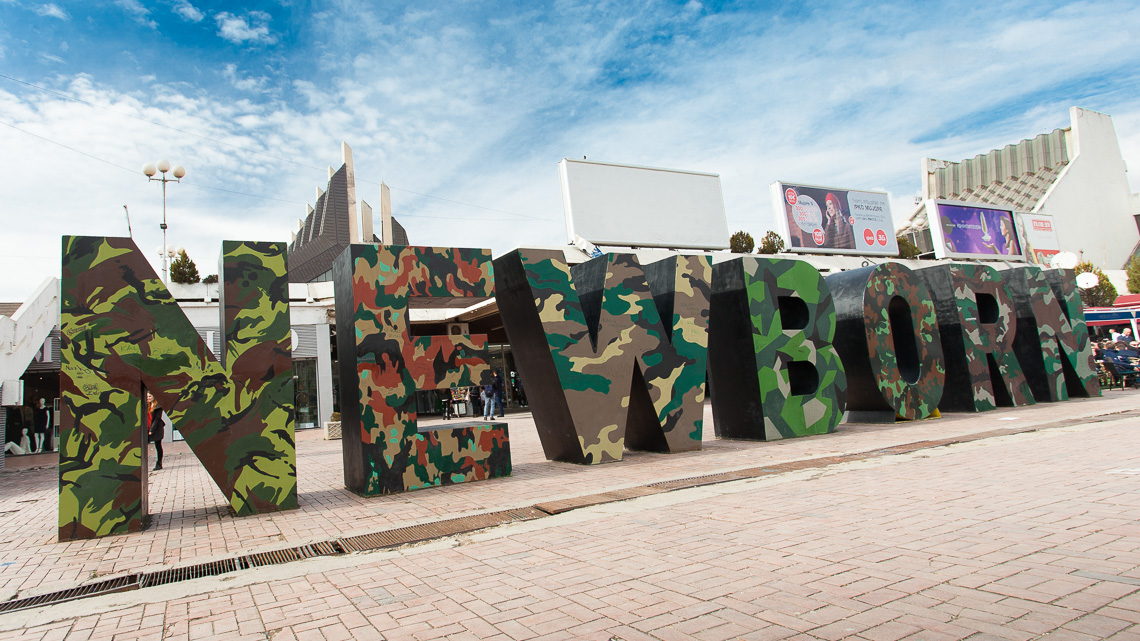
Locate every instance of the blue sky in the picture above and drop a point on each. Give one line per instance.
(476, 103)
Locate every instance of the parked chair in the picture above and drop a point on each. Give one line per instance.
(1126, 370)
(1111, 374)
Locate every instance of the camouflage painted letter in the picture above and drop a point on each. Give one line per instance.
(887, 335)
(773, 370)
(121, 331)
(978, 326)
(382, 365)
(1052, 341)
(602, 371)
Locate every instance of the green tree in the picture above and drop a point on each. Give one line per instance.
(1103, 294)
(771, 243)
(183, 270)
(1134, 276)
(741, 243)
(908, 249)
(211, 279)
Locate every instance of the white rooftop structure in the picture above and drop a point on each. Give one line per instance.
(1075, 175)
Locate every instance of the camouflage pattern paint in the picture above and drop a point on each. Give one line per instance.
(121, 330)
(771, 351)
(382, 366)
(887, 336)
(602, 370)
(1052, 343)
(978, 325)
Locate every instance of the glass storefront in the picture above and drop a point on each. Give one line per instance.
(38, 385)
(305, 392)
(500, 358)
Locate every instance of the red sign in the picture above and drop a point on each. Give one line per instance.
(882, 237)
(817, 236)
(1042, 225)
(869, 236)
(790, 194)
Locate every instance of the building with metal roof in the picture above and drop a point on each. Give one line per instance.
(1075, 175)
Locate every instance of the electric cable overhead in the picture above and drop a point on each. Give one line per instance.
(250, 151)
(136, 172)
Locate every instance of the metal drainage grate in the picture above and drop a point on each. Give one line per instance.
(110, 586)
(275, 557)
(525, 514)
(697, 481)
(187, 573)
(451, 527)
(428, 531)
(565, 505)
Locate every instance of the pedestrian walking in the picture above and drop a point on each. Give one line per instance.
(157, 428)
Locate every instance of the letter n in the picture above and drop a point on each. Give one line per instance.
(122, 330)
(601, 368)
(382, 366)
(1052, 341)
(772, 367)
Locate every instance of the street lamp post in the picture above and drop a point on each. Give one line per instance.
(150, 170)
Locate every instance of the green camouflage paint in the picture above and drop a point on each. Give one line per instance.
(984, 338)
(382, 366)
(887, 336)
(978, 325)
(122, 330)
(1052, 343)
(602, 370)
(772, 332)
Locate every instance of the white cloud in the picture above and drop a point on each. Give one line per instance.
(253, 29)
(243, 83)
(480, 111)
(188, 12)
(136, 10)
(52, 10)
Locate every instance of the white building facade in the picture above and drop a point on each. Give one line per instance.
(1076, 176)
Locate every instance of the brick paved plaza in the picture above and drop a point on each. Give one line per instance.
(1016, 536)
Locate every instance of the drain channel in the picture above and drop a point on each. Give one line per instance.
(465, 524)
(110, 586)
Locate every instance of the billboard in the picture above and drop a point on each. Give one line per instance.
(972, 230)
(630, 206)
(1038, 238)
(828, 220)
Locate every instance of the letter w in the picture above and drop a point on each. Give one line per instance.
(601, 369)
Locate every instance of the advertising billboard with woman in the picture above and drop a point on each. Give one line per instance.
(972, 230)
(828, 220)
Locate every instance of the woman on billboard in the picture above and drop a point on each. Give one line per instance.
(1006, 244)
(837, 231)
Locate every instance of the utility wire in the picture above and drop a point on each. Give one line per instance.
(156, 124)
(447, 200)
(247, 150)
(135, 171)
(242, 193)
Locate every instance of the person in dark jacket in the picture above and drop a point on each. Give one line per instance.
(157, 428)
(497, 386)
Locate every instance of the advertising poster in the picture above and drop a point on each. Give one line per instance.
(966, 230)
(828, 220)
(1039, 239)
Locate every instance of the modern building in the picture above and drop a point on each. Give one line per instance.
(29, 366)
(335, 222)
(1076, 176)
